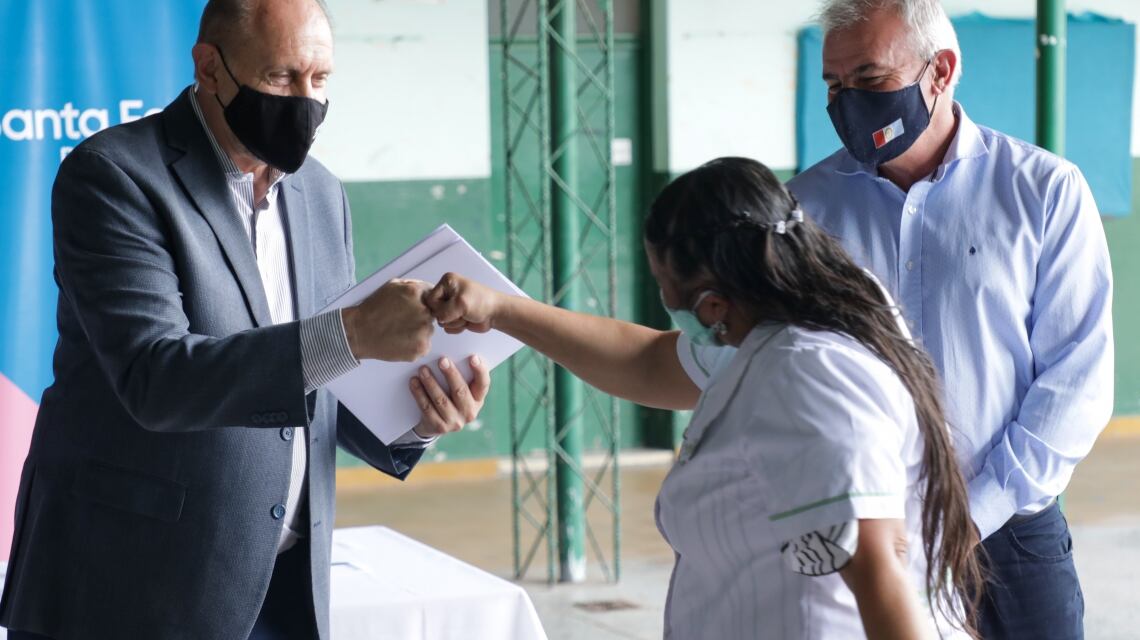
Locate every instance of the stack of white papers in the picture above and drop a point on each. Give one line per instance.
(377, 392)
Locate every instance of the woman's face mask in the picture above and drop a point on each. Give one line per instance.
(879, 126)
(690, 324)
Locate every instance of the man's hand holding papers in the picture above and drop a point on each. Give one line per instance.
(444, 413)
(390, 324)
(426, 379)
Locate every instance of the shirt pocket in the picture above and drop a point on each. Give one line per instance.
(1042, 537)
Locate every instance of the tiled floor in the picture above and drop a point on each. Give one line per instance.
(471, 520)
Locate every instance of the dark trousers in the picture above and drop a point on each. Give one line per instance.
(1033, 591)
(286, 614)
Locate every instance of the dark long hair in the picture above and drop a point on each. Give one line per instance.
(720, 222)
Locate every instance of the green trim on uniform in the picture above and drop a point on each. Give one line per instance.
(697, 359)
(822, 503)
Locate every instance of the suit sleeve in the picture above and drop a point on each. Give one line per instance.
(115, 269)
(351, 434)
(355, 438)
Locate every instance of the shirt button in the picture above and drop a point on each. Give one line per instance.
(287, 434)
(910, 265)
(278, 511)
(912, 210)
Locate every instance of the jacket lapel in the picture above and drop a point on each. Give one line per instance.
(203, 181)
(297, 228)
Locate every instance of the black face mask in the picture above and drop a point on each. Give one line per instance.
(279, 130)
(879, 126)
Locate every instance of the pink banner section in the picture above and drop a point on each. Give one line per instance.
(17, 416)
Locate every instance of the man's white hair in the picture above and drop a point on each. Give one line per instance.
(926, 22)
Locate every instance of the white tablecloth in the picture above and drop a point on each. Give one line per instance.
(388, 586)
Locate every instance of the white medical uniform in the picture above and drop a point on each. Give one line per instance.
(796, 431)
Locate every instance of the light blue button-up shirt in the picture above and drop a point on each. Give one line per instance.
(1000, 264)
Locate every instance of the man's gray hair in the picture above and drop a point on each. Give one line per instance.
(227, 22)
(926, 21)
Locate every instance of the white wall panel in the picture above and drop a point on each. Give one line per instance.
(409, 98)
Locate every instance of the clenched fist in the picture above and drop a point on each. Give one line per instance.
(391, 324)
(460, 304)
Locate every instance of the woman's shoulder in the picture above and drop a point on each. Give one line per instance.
(811, 366)
(821, 400)
(806, 347)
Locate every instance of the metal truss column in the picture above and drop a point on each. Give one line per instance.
(558, 126)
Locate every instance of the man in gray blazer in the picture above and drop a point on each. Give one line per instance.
(180, 482)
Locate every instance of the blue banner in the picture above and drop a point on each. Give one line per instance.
(70, 69)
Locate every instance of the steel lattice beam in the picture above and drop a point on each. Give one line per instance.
(560, 240)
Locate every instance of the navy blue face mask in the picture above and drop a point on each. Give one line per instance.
(879, 126)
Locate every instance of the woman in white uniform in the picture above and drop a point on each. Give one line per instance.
(816, 493)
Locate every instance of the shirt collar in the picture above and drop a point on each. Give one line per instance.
(967, 143)
(233, 173)
(723, 386)
(760, 334)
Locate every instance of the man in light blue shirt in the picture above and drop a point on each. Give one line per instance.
(995, 251)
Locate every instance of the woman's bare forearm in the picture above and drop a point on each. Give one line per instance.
(623, 359)
(884, 591)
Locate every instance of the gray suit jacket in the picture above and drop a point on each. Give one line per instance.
(145, 505)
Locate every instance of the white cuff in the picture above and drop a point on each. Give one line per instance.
(413, 439)
(991, 506)
(325, 354)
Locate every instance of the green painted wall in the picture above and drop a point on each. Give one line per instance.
(1124, 245)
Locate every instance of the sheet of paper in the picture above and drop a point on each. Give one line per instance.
(377, 392)
(433, 243)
